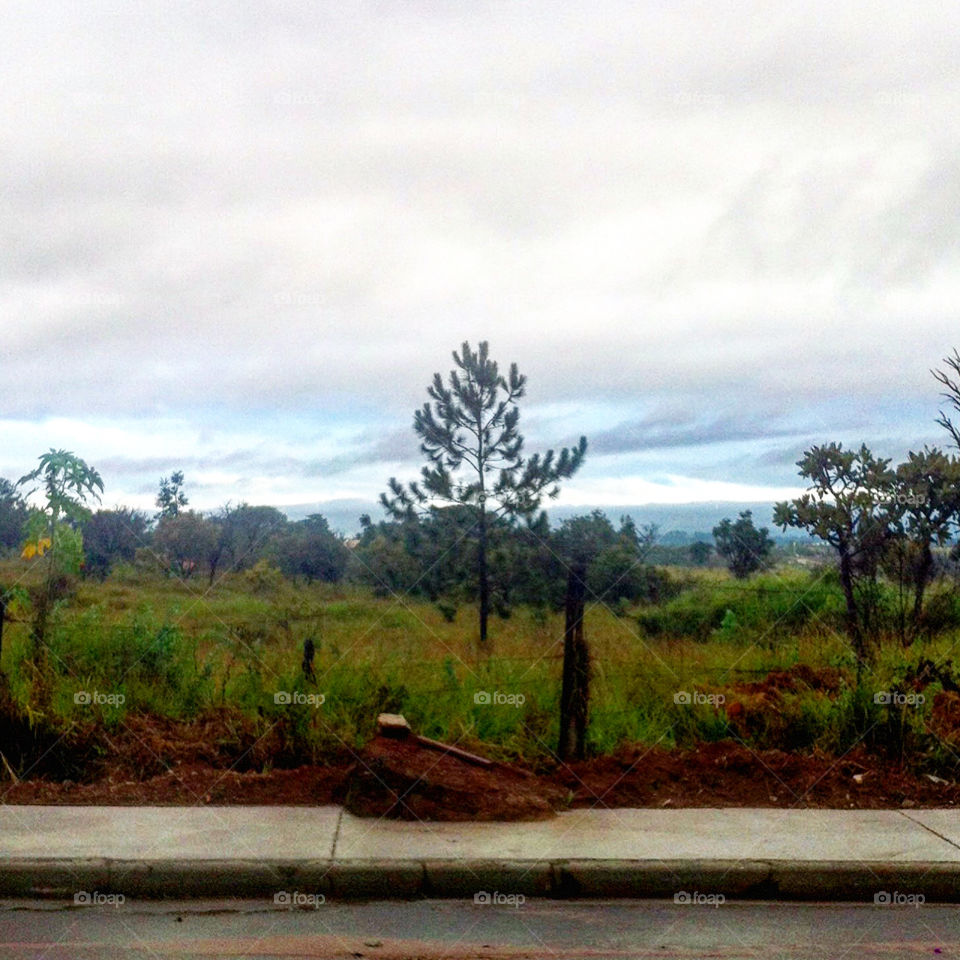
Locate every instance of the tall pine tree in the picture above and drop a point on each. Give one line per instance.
(471, 437)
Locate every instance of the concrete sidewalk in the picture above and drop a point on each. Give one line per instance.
(270, 851)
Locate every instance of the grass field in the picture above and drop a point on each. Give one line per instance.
(179, 649)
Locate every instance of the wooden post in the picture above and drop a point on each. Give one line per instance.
(308, 651)
(575, 692)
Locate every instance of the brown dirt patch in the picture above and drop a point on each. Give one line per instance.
(401, 779)
(794, 680)
(945, 718)
(727, 774)
(187, 785)
(755, 708)
(226, 758)
(713, 774)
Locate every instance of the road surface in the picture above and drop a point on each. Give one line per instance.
(435, 929)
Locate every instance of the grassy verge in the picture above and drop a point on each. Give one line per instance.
(147, 644)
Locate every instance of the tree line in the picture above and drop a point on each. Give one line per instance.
(473, 528)
(181, 541)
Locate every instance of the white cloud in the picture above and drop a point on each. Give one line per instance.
(614, 491)
(261, 217)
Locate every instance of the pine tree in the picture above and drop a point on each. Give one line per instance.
(470, 435)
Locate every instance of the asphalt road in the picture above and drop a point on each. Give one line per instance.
(434, 929)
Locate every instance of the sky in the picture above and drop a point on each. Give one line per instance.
(239, 238)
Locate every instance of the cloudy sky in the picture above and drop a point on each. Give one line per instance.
(239, 238)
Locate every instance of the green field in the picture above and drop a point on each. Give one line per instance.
(182, 649)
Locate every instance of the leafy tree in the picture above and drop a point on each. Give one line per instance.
(471, 438)
(310, 549)
(618, 571)
(53, 530)
(244, 533)
(742, 545)
(13, 515)
(700, 552)
(171, 499)
(249, 530)
(113, 536)
(922, 513)
(186, 541)
(384, 562)
(847, 508)
(434, 555)
(524, 567)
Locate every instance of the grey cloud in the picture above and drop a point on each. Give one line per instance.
(369, 448)
(305, 208)
(662, 430)
(385, 447)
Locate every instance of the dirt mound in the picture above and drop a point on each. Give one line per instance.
(756, 708)
(145, 746)
(793, 680)
(945, 718)
(188, 784)
(712, 775)
(404, 780)
(725, 773)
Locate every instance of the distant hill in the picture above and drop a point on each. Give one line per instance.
(679, 523)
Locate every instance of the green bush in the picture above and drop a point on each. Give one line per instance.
(941, 612)
(766, 605)
(149, 663)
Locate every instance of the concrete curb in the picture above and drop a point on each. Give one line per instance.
(936, 882)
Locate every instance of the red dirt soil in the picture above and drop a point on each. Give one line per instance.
(403, 780)
(714, 774)
(218, 759)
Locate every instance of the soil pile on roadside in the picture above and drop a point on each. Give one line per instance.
(710, 775)
(756, 707)
(726, 773)
(945, 720)
(404, 780)
(795, 679)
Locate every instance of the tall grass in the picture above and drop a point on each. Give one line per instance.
(178, 649)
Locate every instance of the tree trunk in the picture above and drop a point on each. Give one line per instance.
(920, 586)
(482, 570)
(854, 630)
(575, 692)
